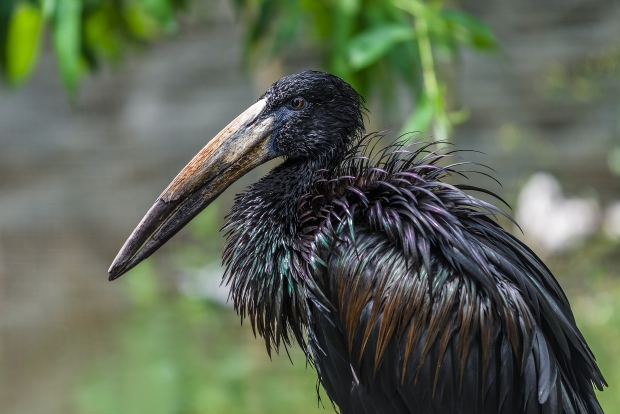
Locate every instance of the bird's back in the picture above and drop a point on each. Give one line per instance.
(423, 304)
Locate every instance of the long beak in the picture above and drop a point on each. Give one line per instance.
(241, 146)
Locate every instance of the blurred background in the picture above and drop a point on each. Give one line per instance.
(105, 101)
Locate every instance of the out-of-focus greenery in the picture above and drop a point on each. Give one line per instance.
(178, 355)
(376, 45)
(590, 276)
(83, 32)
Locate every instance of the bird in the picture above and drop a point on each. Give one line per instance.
(402, 289)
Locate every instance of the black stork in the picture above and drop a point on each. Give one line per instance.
(402, 289)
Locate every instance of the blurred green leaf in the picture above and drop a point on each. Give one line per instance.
(342, 19)
(367, 47)
(162, 11)
(421, 117)
(67, 41)
(460, 116)
(140, 23)
(83, 32)
(22, 43)
(99, 35)
(470, 31)
(48, 7)
(6, 11)
(190, 357)
(288, 29)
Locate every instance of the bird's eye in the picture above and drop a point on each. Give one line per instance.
(297, 103)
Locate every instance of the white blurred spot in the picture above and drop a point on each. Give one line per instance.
(205, 283)
(552, 221)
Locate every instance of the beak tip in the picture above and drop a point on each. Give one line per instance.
(114, 272)
(120, 266)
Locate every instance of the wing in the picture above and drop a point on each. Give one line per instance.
(405, 338)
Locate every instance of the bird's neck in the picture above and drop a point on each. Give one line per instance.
(278, 195)
(265, 267)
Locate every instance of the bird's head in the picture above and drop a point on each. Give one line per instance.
(307, 116)
(314, 114)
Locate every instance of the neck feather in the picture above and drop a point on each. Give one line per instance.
(264, 265)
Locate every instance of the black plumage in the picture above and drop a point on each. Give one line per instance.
(402, 289)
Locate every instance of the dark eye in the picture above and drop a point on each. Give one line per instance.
(297, 103)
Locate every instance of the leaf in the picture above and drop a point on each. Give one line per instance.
(405, 61)
(343, 22)
(6, 11)
(369, 46)
(286, 32)
(140, 22)
(469, 30)
(22, 42)
(47, 8)
(101, 35)
(421, 117)
(67, 41)
(163, 12)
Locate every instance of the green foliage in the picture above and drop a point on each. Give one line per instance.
(376, 45)
(22, 41)
(590, 276)
(66, 37)
(368, 47)
(83, 33)
(172, 355)
(598, 316)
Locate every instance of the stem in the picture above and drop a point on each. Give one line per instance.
(420, 11)
(426, 58)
